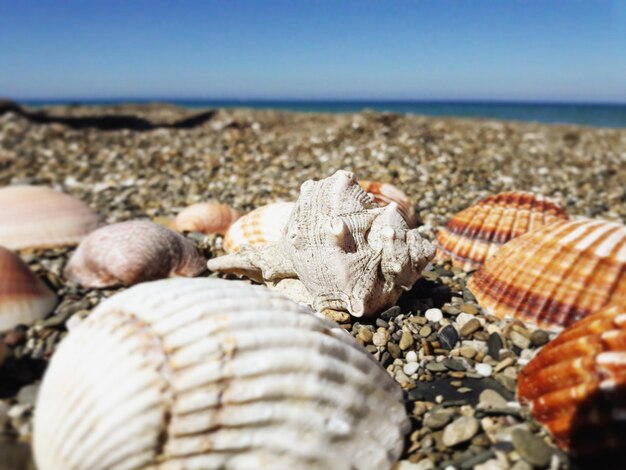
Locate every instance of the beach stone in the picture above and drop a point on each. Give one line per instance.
(492, 464)
(410, 368)
(519, 340)
(434, 315)
(424, 464)
(453, 364)
(381, 338)
(28, 395)
(365, 335)
(390, 313)
(436, 367)
(522, 465)
(484, 369)
(539, 338)
(448, 337)
(436, 420)
(531, 448)
(494, 345)
(406, 341)
(469, 308)
(411, 356)
(425, 331)
(470, 327)
(462, 319)
(460, 430)
(394, 350)
(491, 399)
(467, 352)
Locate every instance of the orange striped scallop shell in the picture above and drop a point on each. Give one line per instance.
(206, 217)
(576, 385)
(476, 233)
(385, 193)
(263, 225)
(555, 275)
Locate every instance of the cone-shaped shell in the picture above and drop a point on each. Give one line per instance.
(206, 217)
(476, 233)
(130, 252)
(24, 298)
(385, 193)
(40, 217)
(207, 373)
(576, 385)
(555, 275)
(259, 227)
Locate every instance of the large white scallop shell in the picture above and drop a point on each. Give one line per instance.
(130, 252)
(40, 217)
(24, 298)
(208, 373)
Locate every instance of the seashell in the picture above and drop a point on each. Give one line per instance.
(555, 275)
(349, 254)
(208, 373)
(130, 252)
(576, 385)
(259, 227)
(385, 193)
(206, 217)
(40, 217)
(24, 298)
(476, 233)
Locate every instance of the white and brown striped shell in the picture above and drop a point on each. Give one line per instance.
(40, 217)
(208, 373)
(555, 275)
(206, 217)
(261, 226)
(476, 233)
(576, 385)
(130, 252)
(24, 298)
(386, 193)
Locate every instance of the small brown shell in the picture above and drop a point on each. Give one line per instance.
(576, 385)
(130, 252)
(385, 193)
(476, 233)
(206, 217)
(259, 227)
(40, 217)
(24, 298)
(555, 275)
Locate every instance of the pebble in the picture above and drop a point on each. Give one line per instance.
(434, 315)
(394, 350)
(406, 341)
(463, 318)
(390, 313)
(484, 369)
(467, 352)
(436, 421)
(411, 356)
(410, 368)
(448, 337)
(470, 327)
(491, 399)
(425, 331)
(539, 338)
(424, 464)
(459, 431)
(436, 367)
(519, 340)
(494, 345)
(469, 308)
(504, 364)
(28, 395)
(531, 448)
(380, 338)
(453, 364)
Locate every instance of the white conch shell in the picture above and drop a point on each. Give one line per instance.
(261, 226)
(350, 254)
(24, 298)
(206, 217)
(40, 217)
(130, 252)
(208, 373)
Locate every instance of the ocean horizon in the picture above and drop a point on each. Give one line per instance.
(588, 114)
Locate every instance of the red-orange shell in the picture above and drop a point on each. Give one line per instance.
(385, 193)
(555, 275)
(206, 217)
(576, 385)
(476, 233)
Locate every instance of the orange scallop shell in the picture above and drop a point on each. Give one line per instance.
(206, 217)
(555, 275)
(24, 298)
(263, 225)
(476, 233)
(576, 385)
(385, 193)
(40, 217)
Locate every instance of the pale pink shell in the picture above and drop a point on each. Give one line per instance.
(385, 193)
(24, 298)
(40, 217)
(261, 226)
(206, 217)
(130, 252)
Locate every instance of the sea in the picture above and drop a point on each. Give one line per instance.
(599, 115)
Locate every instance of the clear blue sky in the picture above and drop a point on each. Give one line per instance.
(567, 50)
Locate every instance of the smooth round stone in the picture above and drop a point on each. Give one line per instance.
(491, 399)
(539, 337)
(519, 340)
(484, 369)
(459, 431)
(411, 356)
(406, 341)
(531, 448)
(469, 308)
(425, 331)
(463, 318)
(467, 352)
(448, 337)
(436, 421)
(436, 367)
(494, 345)
(410, 368)
(470, 327)
(434, 315)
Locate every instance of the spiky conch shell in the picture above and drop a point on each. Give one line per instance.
(208, 373)
(385, 193)
(259, 227)
(555, 275)
(130, 252)
(576, 385)
(24, 298)
(206, 217)
(476, 233)
(40, 217)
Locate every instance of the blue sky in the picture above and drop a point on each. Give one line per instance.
(535, 50)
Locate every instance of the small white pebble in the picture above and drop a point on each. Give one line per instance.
(411, 356)
(484, 369)
(434, 315)
(410, 368)
(462, 318)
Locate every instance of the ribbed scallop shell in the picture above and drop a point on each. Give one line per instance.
(40, 217)
(476, 233)
(557, 274)
(261, 226)
(130, 252)
(384, 193)
(207, 373)
(24, 298)
(206, 217)
(576, 385)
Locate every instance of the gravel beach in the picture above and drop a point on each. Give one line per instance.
(457, 364)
